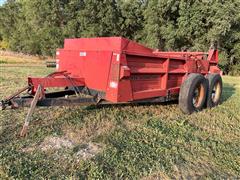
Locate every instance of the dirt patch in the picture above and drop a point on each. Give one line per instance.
(51, 143)
(54, 143)
(81, 151)
(88, 151)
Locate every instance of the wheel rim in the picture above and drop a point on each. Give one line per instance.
(198, 96)
(216, 91)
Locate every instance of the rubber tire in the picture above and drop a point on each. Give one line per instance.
(187, 90)
(212, 80)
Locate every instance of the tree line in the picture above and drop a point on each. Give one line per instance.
(40, 26)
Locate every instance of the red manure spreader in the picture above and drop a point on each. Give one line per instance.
(117, 70)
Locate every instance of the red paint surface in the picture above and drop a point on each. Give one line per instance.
(126, 70)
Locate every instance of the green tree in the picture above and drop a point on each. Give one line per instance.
(131, 20)
(9, 15)
(72, 26)
(160, 24)
(46, 20)
(99, 18)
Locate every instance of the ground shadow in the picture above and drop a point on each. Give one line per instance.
(100, 106)
(228, 91)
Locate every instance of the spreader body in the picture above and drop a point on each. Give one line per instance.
(116, 70)
(122, 70)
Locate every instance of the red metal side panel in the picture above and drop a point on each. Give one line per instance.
(191, 66)
(114, 44)
(68, 60)
(93, 44)
(177, 66)
(145, 65)
(146, 76)
(113, 78)
(54, 82)
(125, 88)
(133, 47)
(96, 69)
(92, 66)
(146, 82)
(174, 80)
(177, 70)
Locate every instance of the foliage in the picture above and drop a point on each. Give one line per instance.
(131, 19)
(40, 26)
(4, 45)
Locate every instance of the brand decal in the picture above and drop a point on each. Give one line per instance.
(113, 84)
(83, 54)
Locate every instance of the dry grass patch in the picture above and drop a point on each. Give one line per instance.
(88, 131)
(88, 151)
(4, 60)
(80, 152)
(55, 143)
(157, 176)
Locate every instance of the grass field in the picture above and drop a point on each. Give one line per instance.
(121, 141)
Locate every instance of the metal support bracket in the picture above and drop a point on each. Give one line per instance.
(8, 101)
(31, 110)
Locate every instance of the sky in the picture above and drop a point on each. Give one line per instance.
(1, 2)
